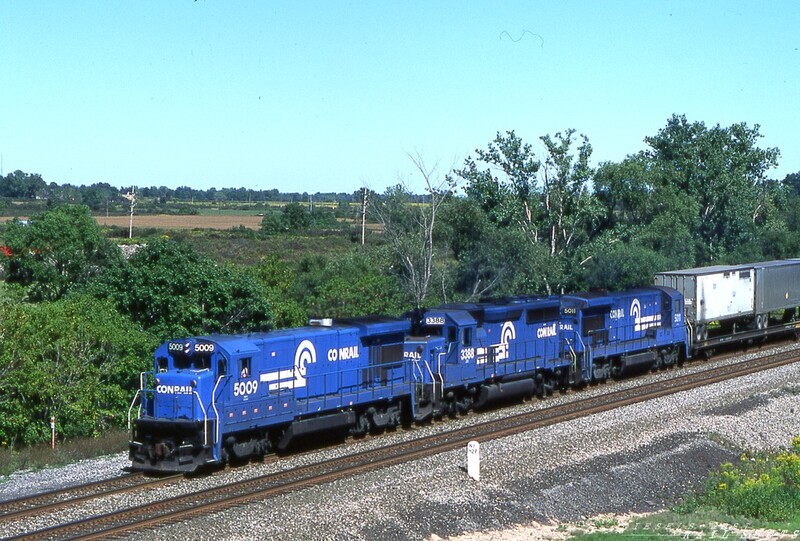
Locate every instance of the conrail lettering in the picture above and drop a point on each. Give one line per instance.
(174, 389)
(546, 331)
(343, 354)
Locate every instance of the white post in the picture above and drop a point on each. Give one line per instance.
(52, 432)
(474, 460)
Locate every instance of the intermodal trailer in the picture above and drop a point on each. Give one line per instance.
(736, 298)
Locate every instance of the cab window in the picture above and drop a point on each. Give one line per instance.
(466, 337)
(244, 367)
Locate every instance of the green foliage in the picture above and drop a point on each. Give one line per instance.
(761, 486)
(278, 278)
(296, 218)
(358, 284)
(59, 251)
(723, 171)
(75, 358)
(623, 266)
(21, 185)
(171, 290)
(550, 203)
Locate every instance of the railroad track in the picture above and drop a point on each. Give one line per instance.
(204, 502)
(38, 504)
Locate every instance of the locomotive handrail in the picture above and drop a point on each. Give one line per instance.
(214, 406)
(439, 369)
(587, 351)
(138, 392)
(433, 378)
(205, 418)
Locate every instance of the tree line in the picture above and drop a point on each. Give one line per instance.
(79, 321)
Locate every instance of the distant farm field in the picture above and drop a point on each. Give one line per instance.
(165, 221)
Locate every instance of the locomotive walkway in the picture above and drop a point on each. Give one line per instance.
(212, 500)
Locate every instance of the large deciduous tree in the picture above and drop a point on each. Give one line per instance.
(171, 290)
(76, 359)
(57, 251)
(410, 229)
(724, 171)
(549, 202)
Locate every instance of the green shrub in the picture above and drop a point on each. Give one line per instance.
(762, 486)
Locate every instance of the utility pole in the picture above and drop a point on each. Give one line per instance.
(364, 217)
(131, 196)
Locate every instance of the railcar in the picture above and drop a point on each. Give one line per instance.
(214, 398)
(471, 355)
(733, 303)
(616, 333)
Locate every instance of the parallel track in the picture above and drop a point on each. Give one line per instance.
(39, 504)
(205, 502)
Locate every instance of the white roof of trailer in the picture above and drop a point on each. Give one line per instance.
(714, 269)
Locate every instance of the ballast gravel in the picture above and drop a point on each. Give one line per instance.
(638, 458)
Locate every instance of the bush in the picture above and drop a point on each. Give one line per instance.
(765, 487)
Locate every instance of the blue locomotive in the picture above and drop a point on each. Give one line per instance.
(215, 398)
(471, 355)
(616, 333)
(212, 399)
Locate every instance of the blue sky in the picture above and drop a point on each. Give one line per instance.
(331, 96)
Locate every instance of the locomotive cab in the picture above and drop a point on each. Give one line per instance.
(175, 425)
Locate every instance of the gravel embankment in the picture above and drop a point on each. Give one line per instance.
(634, 459)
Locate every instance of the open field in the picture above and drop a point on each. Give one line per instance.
(165, 221)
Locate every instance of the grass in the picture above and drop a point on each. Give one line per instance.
(37, 457)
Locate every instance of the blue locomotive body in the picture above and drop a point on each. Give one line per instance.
(216, 397)
(470, 355)
(622, 331)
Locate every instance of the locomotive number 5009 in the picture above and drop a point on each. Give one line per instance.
(244, 388)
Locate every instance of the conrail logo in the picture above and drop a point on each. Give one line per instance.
(295, 377)
(641, 322)
(507, 333)
(174, 389)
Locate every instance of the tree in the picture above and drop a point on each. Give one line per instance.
(724, 171)
(410, 229)
(21, 185)
(570, 212)
(58, 251)
(358, 284)
(550, 203)
(278, 279)
(172, 291)
(77, 359)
